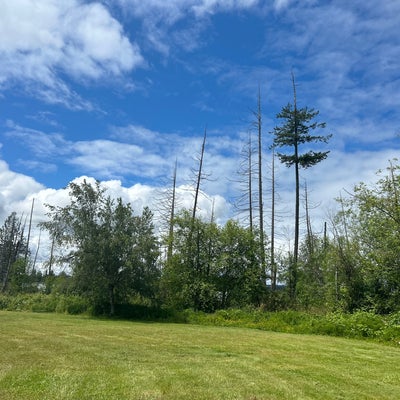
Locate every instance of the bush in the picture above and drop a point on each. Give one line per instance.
(72, 304)
(358, 325)
(142, 312)
(39, 302)
(43, 303)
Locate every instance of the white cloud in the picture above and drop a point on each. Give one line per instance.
(14, 188)
(43, 37)
(211, 6)
(159, 19)
(280, 4)
(17, 192)
(339, 173)
(136, 153)
(109, 159)
(39, 143)
(173, 10)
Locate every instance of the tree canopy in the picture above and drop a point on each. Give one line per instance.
(113, 252)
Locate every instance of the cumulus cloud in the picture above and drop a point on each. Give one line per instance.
(18, 192)
(44, 39)
(339, 173)
(14, 189)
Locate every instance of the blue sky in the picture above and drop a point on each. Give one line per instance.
(116, 90)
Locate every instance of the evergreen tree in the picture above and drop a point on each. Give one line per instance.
(296, 128)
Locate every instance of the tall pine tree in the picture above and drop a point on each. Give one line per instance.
(297, 123)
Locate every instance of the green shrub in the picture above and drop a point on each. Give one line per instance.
(40, 302)
(142, 312)
(357, 325)
(43, 303)
(71, 304)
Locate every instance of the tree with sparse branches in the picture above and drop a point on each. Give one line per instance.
(166, 209)
(244, 203)
(295, 131)
(258, 123)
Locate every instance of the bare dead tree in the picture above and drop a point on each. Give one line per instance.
(272, 239)
(245, 202)
(172, 214)
(37, 251)
(310, 237)
(29, 231)
(167, 204)
(193, 249)
(199, 176)
(258, 123)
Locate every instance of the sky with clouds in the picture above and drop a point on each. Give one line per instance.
(117, 90)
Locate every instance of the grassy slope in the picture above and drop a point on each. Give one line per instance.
(53, 356)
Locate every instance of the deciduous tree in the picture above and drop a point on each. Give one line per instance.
(113, 252)
(12, 247)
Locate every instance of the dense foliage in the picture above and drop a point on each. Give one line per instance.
(116, 260)
(113, 253)
(218, 268)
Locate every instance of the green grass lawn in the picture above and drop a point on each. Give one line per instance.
(53, 356)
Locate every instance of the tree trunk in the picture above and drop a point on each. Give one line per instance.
(293, 274)
(172, 216)
(196, 196)
(29, 231)
(199, 176)
(310, 236)
(260, 183)
(273, 265)
(111, 295)
(250, 184)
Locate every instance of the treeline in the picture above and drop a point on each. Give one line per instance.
(115, 258)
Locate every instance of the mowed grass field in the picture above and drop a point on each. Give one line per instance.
(54, 356)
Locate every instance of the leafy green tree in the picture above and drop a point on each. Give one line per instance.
(240, 275)
(12, 248)
(224, 270)
(113, 252)
(188, 276)
(296, 128)
(374, 229)
(311, 285)
(20, 280)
